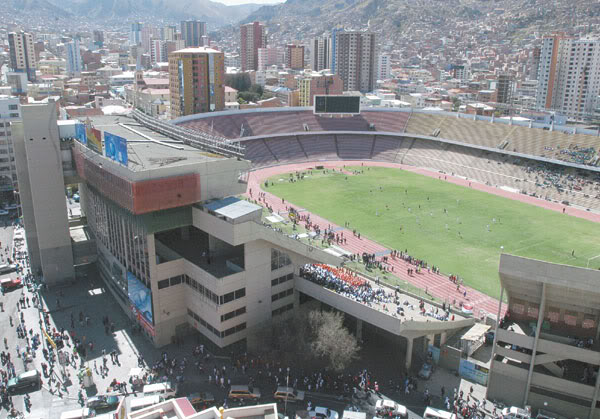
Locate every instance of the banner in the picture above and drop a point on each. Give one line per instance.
(473, 372)
(80, 134)
(115, 148)
(140, 297)
(94, 139)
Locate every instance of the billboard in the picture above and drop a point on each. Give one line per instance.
(115, 148)
(140, 297)
(80, 134)
(94, 139)
(337, 104)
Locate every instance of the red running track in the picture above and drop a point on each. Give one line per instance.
(437, 285)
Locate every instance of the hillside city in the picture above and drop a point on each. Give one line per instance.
(158, 258)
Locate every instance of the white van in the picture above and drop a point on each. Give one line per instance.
(81, 413)
(166, 390)
(142, 403)
(434, 413)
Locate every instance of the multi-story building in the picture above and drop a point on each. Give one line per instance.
(135, 33)
(22, 54)
(569, 76)
(384, 67)
(74, 62)
(311, 84)
(192, 32)
(148, 34)
(196, 81)
(252, 37)
(356, 60)
(9, 112)
(269, 56)
(320, 53)
(505, 88)
(294, 56)
(168, 33)
(158, 51)
(98, 38)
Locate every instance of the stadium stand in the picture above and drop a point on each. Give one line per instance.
(545, 180)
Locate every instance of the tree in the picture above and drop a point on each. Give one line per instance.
(318, 337)
(332, 341)
(240, 81)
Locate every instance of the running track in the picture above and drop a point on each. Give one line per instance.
(437, 285)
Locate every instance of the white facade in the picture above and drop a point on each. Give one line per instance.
(158, 51)
(569, 76)
(10, 111)
(320, 53)
(384, 67)
(74, 61)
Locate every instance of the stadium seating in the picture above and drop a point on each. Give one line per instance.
(319, 147)
(386, 148)
(354, 147)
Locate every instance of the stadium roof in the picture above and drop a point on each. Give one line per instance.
(149, 149)
(566, 286)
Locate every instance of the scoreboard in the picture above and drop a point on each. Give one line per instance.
(337, 104)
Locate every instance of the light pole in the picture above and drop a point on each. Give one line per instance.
(287, 386)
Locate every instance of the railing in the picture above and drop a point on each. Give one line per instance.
(195, 138)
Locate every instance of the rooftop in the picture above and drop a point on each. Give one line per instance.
(197, 50)
(147, 149)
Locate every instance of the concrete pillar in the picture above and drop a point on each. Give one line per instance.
(595, 397)
(443, 338)
(296, 301)
(538, 329)
(359, 325)
(409, 350)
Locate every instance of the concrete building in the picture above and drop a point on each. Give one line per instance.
(181, 408)
(505, 89)
(569, 76)
(270, 56)
(356, 60)
(22, 54)
(135, 33)
(384, 67)
(192, 32)
(294, 56)
(17, 82)
(252, 37)
(39, 163)
(548, 339)
(196, 81)
(74, 62)
(169, 33)
(320, 53)
(9, 112)
(158, 51)
(311, 84)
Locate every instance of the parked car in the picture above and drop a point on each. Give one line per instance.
(514, 412)
(426, 371)
(8, 284)
(6, 268)
(103, 402)
(386, 408)
(3, 212)
(26, 380)
(323, 413)
(244, 392)
(76, 198)
(288, 394)
(201, 399)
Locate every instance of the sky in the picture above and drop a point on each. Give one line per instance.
(231, 2)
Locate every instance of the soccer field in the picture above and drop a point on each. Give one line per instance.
(459, 229)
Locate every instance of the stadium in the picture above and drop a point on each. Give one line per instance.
(549, 166)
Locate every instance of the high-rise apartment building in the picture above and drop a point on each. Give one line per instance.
(320, 53)
(312, 84)
(98, 38)
(192, 32)
(252, 37)
(135, 34)
(10, 111)
(74, 61)
(294, 56)
(505, 88)
(356, 60)
(569, 76)
(196, 81)
(22, 54)
(158, 51)
(384, 67)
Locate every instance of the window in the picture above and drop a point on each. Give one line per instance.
(13, 107)
(163, 284)
(279, 259)
(175, 280)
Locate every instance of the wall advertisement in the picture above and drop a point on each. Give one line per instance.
(80, 134)
(115, 148)
(94, 139)
(140, 297)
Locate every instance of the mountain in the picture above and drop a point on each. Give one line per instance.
(300, 19)
(214, 13)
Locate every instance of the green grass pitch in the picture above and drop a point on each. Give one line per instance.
(404, 210)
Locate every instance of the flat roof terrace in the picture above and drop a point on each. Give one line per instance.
(149, 149)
